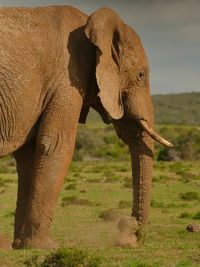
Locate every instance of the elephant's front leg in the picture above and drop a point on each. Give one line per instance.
(48, 178)
(54, 148)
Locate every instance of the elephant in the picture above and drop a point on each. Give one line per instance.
(55, 64)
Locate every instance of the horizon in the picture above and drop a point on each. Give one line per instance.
(181, 93)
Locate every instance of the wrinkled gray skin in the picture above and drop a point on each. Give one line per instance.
(55, 63)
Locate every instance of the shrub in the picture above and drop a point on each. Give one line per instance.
(96, 169)
(185, 215)
(70, 187)
(10, 214)
(71, 257)
(127, 183)
(2, 183)
(122, 168)
(94, 180)
(3, 170)
(73, 200)
(168, 154)
(186, 141)
(124, 204)
(155, 204)
(197, 216)
(179, 168)
(88, 142)
(164, 177)
(98, 142)
(189, 196)
(110, 215)
(110, 177)
(155, 179)
(74, 168)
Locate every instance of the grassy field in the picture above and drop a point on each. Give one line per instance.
(92, 188)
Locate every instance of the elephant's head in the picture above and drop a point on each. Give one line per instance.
(122, 75)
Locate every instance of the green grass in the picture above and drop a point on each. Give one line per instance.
(67, 256)
(190, 196)
(87, 236)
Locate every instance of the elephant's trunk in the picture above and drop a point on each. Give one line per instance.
(142, 163)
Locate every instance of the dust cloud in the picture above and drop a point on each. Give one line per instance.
(127, 232)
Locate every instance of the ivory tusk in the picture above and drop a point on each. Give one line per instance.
(153, 134)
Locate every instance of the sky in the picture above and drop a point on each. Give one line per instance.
(170, 32)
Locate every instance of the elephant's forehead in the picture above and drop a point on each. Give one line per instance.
(134, 53)
(135, 58)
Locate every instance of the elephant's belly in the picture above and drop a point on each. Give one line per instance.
(12, 139)
(20, 106)
(21, 96)
(8, 147)
(15, 127)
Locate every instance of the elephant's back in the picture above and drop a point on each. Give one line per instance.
(18, 20)
(31, 42)
(20, 85)
(37, 36)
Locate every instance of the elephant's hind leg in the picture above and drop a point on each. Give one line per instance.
(25, 159)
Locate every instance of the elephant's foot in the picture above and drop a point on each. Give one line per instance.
(38, 243)
(128, 232)
(4, 243)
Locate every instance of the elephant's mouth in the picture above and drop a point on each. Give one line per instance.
(145, 126)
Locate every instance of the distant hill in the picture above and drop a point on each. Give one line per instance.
(170, 109)
(177, 108)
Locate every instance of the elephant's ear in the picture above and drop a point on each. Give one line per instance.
(83, 115)
(104, 30)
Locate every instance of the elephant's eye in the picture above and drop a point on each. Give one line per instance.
(141, 75)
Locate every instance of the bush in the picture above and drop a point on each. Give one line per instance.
(179, 168)
(185, 215)
(155, 204)
(186, 141)
(168, 154)
(87, 143)
(71, 257)
(110, 215)
(127, 182)
(100, 143)
(70, 187)
(3, 170)
(124, 204)
(189, 196)
(73, 200)
(197, 216)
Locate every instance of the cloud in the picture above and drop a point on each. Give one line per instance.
(191, 32)
(171, 79)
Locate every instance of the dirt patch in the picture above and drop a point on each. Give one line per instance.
(4, 243)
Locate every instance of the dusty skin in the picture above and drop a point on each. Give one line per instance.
(55, 64)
